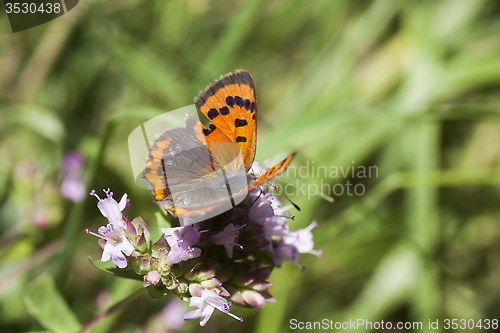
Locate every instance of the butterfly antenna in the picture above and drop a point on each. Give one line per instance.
(257, 196)
(283, 194)
(288, 217)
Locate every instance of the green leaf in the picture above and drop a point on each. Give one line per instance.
(46, 304)
(40, 120)
(123, 273)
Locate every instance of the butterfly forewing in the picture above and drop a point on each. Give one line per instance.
(230, 105)
(187, 178)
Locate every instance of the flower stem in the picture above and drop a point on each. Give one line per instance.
(94, 321)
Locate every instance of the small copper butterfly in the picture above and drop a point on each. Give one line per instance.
(230, 104)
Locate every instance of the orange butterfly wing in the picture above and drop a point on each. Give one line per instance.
(231, 106)
(276, 170)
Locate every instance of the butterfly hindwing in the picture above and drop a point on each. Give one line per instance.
(230, 105)
(175, 150)
(276, 170)
(189, 179)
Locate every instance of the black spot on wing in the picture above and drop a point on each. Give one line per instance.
(230, 101)
(247, 104)
(210, 129)
(241, 139)
(240, 122)
(212, 113)
(238, 101)
(224, 111)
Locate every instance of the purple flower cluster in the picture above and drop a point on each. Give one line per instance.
(270, 219)
(211, 263)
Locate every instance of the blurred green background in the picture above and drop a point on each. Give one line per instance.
(411, 87)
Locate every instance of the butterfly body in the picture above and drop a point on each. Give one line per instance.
(208, 168)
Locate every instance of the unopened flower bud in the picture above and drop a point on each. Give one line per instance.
(268, 297)
(238, 298)
(142, 228)
(260, 285)
(201, 272)
(182, 288)
(253, 298)
(170, 281)
(155, 263)
(142, 244)
(195, 289)
(129, 230)
(144, 264)
(212, 283)
(160, 245)
(152, 278)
